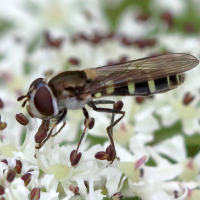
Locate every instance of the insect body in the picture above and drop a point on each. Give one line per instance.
(75, 89)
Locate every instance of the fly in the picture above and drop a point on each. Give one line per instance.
(72, 90)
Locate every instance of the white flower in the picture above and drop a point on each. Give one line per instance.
(174, 148)
(153, 191)
(34, 17)
(128, 24)
(177, 8)
(175, 110)
(177, 43)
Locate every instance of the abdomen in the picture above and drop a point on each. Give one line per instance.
(145, 88)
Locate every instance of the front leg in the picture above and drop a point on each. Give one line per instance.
(75, 156)
(89, 123)
(43, 129)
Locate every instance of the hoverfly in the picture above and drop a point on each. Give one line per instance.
(74, 89)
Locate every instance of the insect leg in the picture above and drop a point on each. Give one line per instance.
(107, 102)
(87, 121)
(60, 119)
(113, 111)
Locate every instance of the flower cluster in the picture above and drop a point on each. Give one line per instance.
(156, 142)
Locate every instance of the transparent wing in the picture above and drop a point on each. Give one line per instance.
(137, 71)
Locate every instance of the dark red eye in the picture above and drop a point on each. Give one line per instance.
(43, 101)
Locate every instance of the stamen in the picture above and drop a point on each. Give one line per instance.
(91, 123)
(5, 161)
(75, 158)
(175, 194)
(110, 152)
(2, 190)
(21, 119)
(35, 194)
(141, 173)
(18, 166)
(139, 99)
(1, 103)
(11, 175)
(117, 196)
(101, 155)
(188, 98)
(74, 189)
(26, 178)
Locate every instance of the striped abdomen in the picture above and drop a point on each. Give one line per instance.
(144, 88)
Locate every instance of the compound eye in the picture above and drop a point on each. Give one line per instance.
(43, 101)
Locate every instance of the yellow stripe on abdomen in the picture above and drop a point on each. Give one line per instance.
(152, 87)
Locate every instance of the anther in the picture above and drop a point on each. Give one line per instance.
(91, 123)
(143, 17)
(123, 59)
(2, 190)
(26, 178)
(168, 18)
(56, 43)
(74, 188)
(118, 105)
(1, 103)
(75, 158)
(141, 172)
(3, 125)
(5, 161)
(110, 153)
(11, 175)
(125, 41)
(35, 194)
(21, 119)
(117, 196)
(101, 155)
(74, 61)
(18, 166)
(139, 99)
(188, 98)
(176, 194)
